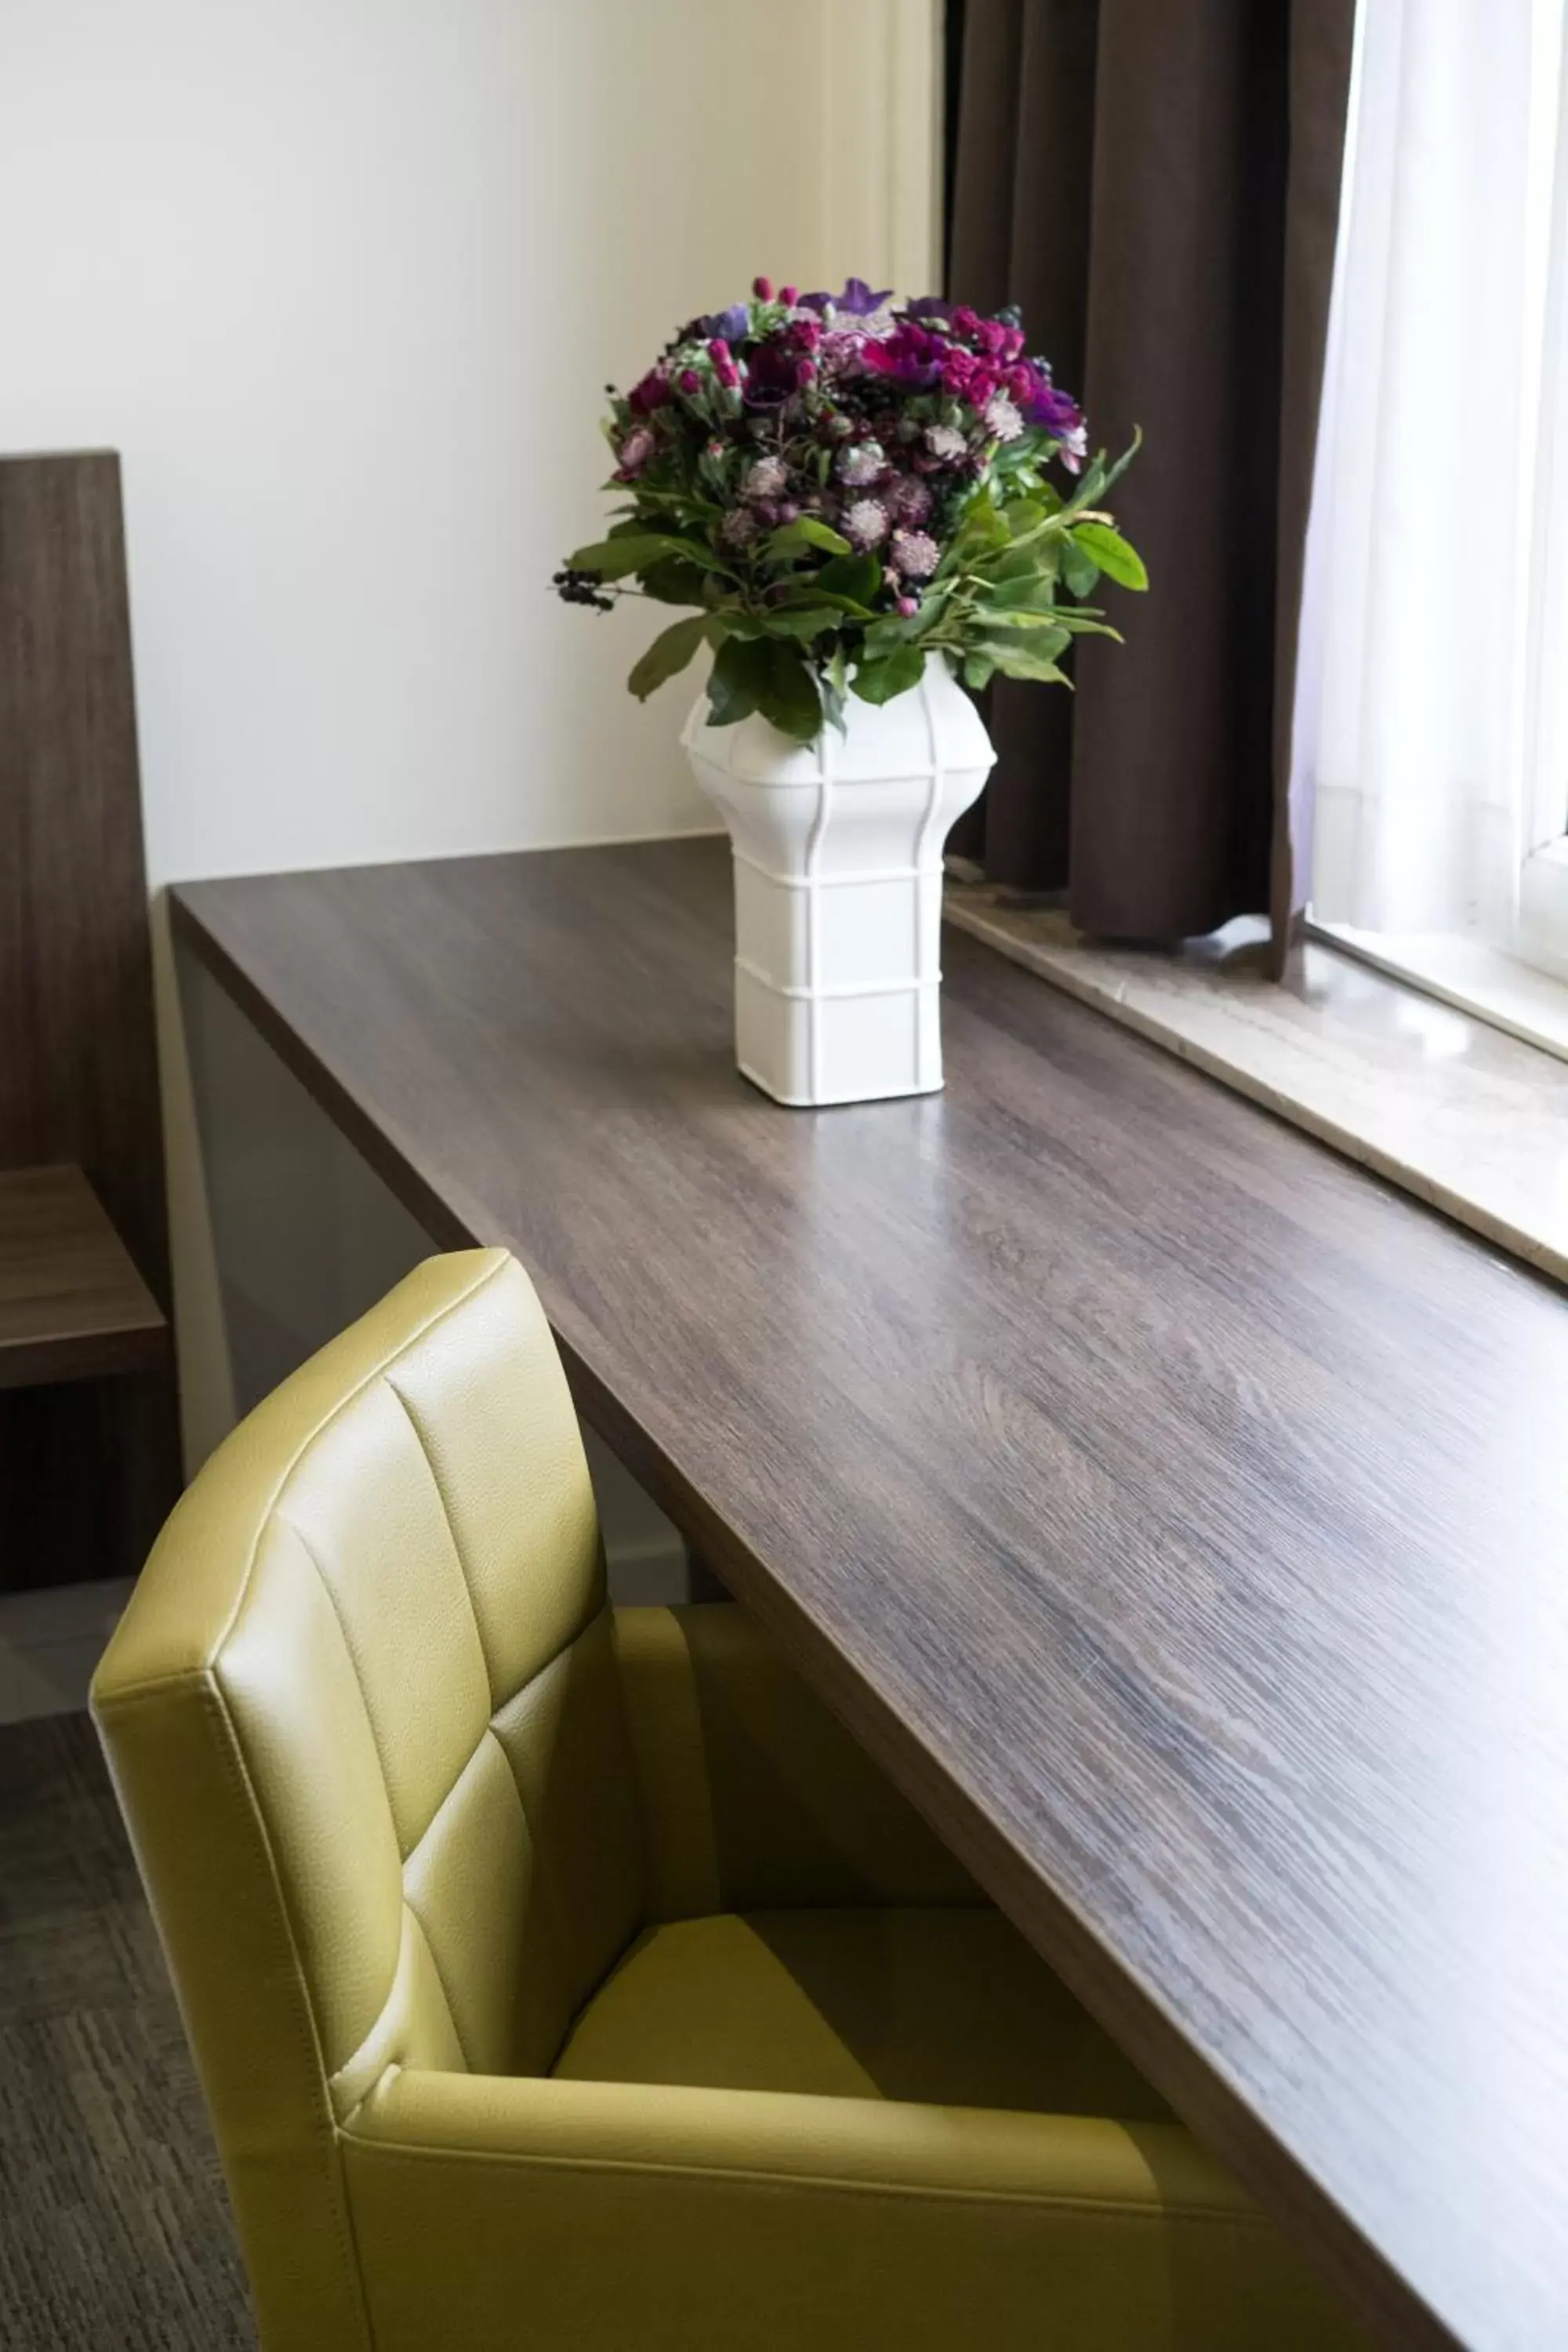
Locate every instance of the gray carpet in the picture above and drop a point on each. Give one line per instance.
(115, 2235)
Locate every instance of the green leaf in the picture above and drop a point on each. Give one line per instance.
(835, 688)
(790, 699)
(978, 672)
(857, 577)
(796, 538)
(889, 630)
(1042, 624)
(1022, 514)
(808, 593)
(1106, 548)
(674, 582)
(894, 673)
(1079, 569)
(1018, 563)
(670, 653)
(1113, 474)
(1016, 656)
(799, 621)
(1026, 589)
(741, 675)
(612, 559)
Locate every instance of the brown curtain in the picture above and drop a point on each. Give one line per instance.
(1156, 182)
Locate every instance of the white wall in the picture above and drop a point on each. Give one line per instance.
(343, 280)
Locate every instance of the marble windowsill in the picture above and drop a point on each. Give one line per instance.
(1458, 1112)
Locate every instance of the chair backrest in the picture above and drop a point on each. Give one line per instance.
(364, 1721)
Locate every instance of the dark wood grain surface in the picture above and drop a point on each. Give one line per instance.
(78, 1073)
(72, 1304)
(1180, 1515)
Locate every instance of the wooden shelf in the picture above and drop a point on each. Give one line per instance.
(72, 1304)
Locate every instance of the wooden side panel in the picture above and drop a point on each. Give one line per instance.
(85, 1472)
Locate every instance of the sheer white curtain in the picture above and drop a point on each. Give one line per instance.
(1432, 708)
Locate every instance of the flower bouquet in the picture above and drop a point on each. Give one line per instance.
(856, 498)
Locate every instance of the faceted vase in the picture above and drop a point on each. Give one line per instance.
(837, 855)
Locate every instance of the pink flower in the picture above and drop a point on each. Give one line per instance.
(634, 451)
(915, 553)
(763, 288)
(866, 524)
(860, 464)
(908, 499)
(688, 381)
(766, 479)
(789, 296)
(1003, 419)
(724, 367)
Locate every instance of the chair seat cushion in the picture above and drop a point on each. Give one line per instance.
(945, 2006)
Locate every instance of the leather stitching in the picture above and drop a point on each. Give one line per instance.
(419, 2153)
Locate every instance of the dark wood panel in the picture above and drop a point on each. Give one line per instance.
(1178, 1512)
(72, 1304)
(85, 1473)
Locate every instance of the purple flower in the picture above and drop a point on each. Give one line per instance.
(1056, 411)
(857, 299)
(732, 324)
(928, 305)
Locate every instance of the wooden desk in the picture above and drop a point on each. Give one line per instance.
(1181, 1516)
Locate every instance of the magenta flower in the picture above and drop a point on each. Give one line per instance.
(911, 355)
(651, 392)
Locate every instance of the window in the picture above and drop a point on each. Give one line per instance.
(1432, 710)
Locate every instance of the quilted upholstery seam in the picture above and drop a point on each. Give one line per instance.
(413, 1910)
(420, 2153)
(578, 1630)
(435, 1476)
(377, 1371)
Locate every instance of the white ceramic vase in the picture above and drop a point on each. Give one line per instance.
(837, 851)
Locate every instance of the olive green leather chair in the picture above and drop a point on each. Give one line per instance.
(566, 1978)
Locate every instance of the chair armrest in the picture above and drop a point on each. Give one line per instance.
(491, 2212)
(755, 1796)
